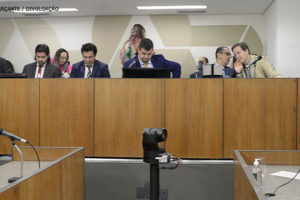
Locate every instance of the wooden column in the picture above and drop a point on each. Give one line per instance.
(194, 117)
(259, 114)
(67, 113)
(19, 110)
(123, 108)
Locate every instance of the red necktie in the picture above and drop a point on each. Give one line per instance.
(40, 69)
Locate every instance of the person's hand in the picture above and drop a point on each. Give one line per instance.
(238, 66)
(66, 75)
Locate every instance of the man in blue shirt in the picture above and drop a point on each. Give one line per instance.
(146, 59)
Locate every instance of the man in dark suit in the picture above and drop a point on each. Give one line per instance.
(6, 66)
(145, 58)
(89, 67)
(202, 61)
(223, 57)
(42, 68)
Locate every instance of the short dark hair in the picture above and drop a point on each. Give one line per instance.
(89, 47)
(206, 59)
(146, 44)
(220, 50)
(243, 46)
(42, 48)
(57, 55)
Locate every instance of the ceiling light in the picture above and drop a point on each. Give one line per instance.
(184, 7)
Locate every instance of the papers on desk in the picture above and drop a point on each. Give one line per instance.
(286, 174)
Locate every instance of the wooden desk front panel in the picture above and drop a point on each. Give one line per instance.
(259, 114)
(19, 110)
(194, 117)
(66, 113)
(123, 108)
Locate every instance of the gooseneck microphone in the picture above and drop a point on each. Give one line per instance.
(254, 61)
(11, 136)
(132, 64)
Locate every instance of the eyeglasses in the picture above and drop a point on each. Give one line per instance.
(227, 53)
(63, 57)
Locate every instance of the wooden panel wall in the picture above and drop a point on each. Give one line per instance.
(123, 108)
(62, 181)
(298, 116)
(19, 110)
(259, 114)
(194, 117)
(205, 118)
(67, 113)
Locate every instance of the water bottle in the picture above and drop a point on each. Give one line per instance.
(257, 171)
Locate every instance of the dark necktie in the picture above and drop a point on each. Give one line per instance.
(89, 74)
(247, 72)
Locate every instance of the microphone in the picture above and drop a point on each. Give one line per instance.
(200, 65)
(11, 136)
(253, 63)
(131, 64)
(66, 66)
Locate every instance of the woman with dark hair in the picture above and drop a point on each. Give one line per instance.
(61, 59)
(129, 49)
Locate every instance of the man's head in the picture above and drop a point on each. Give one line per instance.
(223, 56)
(89, 52)
(145, 50)
(204, 60)
(241, 52)
(42, 54)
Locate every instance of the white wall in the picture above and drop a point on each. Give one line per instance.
(282, 36)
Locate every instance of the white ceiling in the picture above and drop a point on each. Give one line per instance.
(128, 7)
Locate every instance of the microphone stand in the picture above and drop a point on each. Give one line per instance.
(13, 179)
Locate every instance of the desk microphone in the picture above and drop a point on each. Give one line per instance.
(11, 136)
(131, 64)
(253, 63)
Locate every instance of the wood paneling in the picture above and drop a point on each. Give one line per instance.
(273, 157)
(298, 116)
(194, 117)
(19, 110)
(63, 180)
(123, 108)
(66, 113)
(259, 114)
(242, 188)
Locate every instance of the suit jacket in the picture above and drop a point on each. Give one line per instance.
(158, 61)
(51, 70)
(100, 70)
(262, 69)
(229, 72)
(5, 67)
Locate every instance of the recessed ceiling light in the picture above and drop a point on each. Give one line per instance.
(184, 7)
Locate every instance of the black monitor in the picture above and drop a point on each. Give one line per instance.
(146, 72)
(12, 75)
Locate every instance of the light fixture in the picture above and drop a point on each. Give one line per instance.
(183, 7)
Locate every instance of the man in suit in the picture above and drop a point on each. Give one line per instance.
(145, 58)
(223, 57)
(6, 66)
(89, 67)
(244, 67)
(42, 68)
(202, 61)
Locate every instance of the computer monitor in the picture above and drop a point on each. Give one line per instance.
(146, 72)
(12, 75)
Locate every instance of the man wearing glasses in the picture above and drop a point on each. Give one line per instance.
(251, 66)
(42, 68)
(223, 57)
(89, 67)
